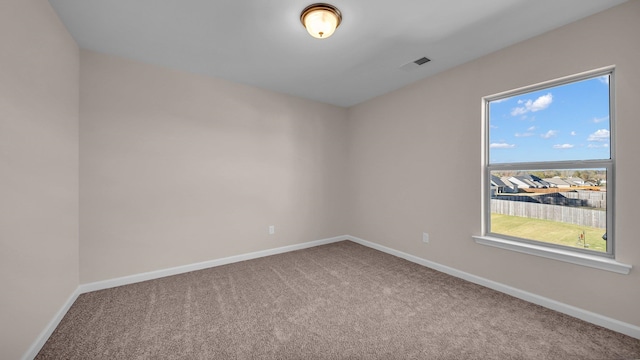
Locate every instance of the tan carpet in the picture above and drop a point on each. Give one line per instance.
(338, 301)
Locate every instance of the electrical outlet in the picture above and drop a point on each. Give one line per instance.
(272, 229)
(425, 237)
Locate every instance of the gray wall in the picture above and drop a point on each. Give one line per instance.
(178, 168)
(38, 171)
(426, 138)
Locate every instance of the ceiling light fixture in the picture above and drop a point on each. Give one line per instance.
(321, 20)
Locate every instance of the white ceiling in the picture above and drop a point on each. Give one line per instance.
(263, 43)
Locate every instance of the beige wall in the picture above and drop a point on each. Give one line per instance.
(177, 168)
(38, 171)
(415, 163)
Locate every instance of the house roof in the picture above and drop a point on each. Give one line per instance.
(496, 181)
(559, 182)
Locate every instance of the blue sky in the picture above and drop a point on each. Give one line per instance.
(568, 122)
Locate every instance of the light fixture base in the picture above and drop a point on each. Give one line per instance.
(321, 19)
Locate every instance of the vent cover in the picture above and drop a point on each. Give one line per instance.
(415, 64)
(422, 60)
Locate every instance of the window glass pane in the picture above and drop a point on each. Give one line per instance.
(565, 207)
(566, 122)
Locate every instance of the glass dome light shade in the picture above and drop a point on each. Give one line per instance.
(321, 20)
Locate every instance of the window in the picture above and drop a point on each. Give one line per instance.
(549, 164)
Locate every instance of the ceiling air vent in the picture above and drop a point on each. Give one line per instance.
(414, 64)
(422, 60)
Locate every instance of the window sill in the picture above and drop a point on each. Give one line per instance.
(556, 254)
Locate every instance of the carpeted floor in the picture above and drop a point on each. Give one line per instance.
(337, 301)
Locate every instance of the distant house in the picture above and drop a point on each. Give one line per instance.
(520, 182)
(540, 183)
(528, 182)
(557, 182)
(499, 186)
(575, 180)
(509, 186)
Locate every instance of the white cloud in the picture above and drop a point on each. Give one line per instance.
(599, 120)
(542, 102)
(604, 79)
(549, 134)
(527, 134)
(538, 104)
(493, 126)
(531, 128)
(573, 133)
(518, 111)
(599, 135)
(502, 146)
(563, 146)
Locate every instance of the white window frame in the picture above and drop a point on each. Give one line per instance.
(590, 258)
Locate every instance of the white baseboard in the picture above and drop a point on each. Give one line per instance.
(125, 280)
(131, 279)
(588, 316)
(51, 326)
(609, 323)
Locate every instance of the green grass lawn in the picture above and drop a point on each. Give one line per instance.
(548, 231)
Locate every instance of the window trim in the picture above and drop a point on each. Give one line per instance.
(579, 256)
(573, 257)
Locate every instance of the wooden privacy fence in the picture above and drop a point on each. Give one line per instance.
(566, 214)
